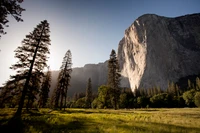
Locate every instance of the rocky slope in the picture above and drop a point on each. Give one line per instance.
(156, 50)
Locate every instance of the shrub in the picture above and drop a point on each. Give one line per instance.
(188, 96)
(160, 100)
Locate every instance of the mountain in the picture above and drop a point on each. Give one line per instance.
(156, 50)
(80, 76)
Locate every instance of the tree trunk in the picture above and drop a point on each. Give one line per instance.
(27, 105)
(65, 99)
(21, 103)
(57, 97)
(61, 100)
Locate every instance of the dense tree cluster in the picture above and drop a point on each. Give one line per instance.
(60, 93)
(172, 97)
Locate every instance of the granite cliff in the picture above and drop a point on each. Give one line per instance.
(156, 50)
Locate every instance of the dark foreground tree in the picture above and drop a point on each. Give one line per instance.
(114, 79)
(32, 58)
(9, 7)
(63, 82)
(88, 96)
(44, 92)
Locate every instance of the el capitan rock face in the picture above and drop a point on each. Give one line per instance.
(156, 50)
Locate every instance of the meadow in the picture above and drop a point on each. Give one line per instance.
(106, 121)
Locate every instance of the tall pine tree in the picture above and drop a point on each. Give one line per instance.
(114, 79)
(32, 58)
(63, 82)
(88, 96)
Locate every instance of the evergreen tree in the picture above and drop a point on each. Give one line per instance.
(137, 92)
(9, 7)
(158, 90)
(114, 79)
(177, 90)
(197, 99)
(32, 57)
(172, 89)
(75, 97)
(44, 92)
(88, 96)
(189, 85)
(63, 81)
(197, 84)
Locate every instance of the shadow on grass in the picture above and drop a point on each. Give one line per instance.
(14, 125)
(40, 123)
(60, 125)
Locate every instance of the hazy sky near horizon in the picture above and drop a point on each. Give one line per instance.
(89, 28)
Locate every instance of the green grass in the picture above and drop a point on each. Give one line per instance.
(104, 121)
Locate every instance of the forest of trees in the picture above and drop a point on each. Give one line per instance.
(172, 97)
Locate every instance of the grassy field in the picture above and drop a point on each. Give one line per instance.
(105, 121)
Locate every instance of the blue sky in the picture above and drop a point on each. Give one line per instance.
(89, 28)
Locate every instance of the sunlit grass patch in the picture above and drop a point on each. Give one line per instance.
(100, 120)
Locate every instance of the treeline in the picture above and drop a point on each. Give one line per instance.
(172, 97)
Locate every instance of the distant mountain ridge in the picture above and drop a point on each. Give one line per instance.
(80, 76)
